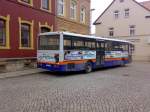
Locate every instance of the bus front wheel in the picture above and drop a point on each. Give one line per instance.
(88, 67)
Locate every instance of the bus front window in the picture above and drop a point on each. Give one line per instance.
(48, 42)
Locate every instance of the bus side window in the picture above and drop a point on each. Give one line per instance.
(106, 46)
(100, 46)
(90, 45)
(93, 45)
(115, 46)
(121, 47)
(86, 45)
(67, 44)
(78, 45)
(124, 47)
(109, 46)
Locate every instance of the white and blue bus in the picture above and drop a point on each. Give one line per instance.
(63, 51)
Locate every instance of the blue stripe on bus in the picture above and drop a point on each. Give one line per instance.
(80, 67)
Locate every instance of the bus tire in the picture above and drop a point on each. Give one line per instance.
(88, 67)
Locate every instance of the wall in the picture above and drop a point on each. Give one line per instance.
(121, 26)
(64, 23)
(29, 13)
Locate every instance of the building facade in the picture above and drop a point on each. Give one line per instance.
(73, 16)
(127, 20)
(20, 23)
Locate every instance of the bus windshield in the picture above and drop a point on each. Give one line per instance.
(49, 42)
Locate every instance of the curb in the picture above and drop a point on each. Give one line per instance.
(20, 73)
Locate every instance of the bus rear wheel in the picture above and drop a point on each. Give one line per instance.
(88, 67)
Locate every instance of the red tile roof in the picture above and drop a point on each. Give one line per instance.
(146, 4)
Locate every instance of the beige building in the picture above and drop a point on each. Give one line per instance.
(128, 20)
(73, 16)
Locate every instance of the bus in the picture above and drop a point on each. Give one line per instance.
(64, 51)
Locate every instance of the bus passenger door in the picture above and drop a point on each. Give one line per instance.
(100, 53)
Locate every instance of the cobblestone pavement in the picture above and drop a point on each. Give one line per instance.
(120, 89)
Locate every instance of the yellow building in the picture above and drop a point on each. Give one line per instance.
(73, 16)
(127, 20)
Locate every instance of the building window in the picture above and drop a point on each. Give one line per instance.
(116, 14)
(46, 5)
(121, 1)
(82, 15)
(29, 2)
(132, 30)
(61, 7)
(45, 29)
(26, 34)
(111, 32)
(4, 32)
(126, 13)
(73, 9)
(147, 17)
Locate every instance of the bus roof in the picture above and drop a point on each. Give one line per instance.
(85, 36)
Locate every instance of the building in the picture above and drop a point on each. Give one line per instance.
(20, 23)
(129, 20)
(73, 16)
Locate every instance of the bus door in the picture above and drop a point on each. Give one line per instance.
(100, 52)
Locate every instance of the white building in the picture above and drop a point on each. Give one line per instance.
(128, 20)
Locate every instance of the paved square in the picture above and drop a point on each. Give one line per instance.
(120, 89)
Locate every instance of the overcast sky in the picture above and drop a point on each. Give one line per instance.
(100, 6)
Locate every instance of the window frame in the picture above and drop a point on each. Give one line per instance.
(25, 39)
(31, 33)
(85, 43)
(26, 3)
(46, 26)
(121, 1)
(3, 32)
(132, 29)
(84, 13)
(56, 40)
(126, 13)
(7, 26)
(73, 7)
(78, 42)
(90, 45)
(111, 31)
(43, 27)
(63, 4)
(49, 6)
(116, 14)
(67, 46)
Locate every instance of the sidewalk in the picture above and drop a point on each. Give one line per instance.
(20, 73)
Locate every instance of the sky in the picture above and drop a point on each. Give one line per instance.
(100, 6)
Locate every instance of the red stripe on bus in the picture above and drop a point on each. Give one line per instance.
(82, 61)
